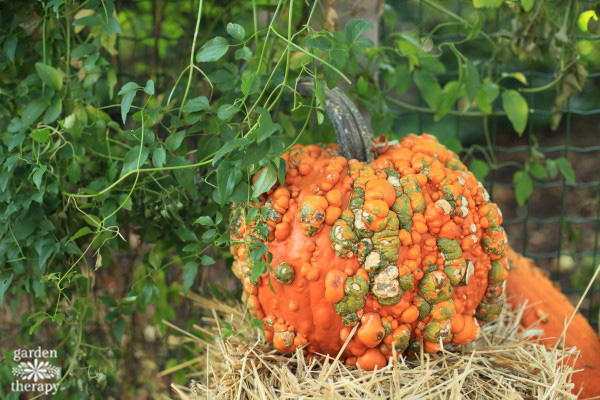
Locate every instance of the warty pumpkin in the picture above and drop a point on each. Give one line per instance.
(404, 247)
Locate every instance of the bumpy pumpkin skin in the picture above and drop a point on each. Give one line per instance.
(408, 247)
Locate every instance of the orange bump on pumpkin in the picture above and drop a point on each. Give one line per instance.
(334, 285)
(332, 214)
(371, 331)
(334, 197)
(371, 359)
(384, 189)
(407, 241)
(410, 315)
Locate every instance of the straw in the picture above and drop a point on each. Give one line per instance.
(503, 363)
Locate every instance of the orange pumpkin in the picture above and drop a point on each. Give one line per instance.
(408, 247)
(546, 304)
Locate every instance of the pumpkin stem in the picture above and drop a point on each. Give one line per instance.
(354, 137)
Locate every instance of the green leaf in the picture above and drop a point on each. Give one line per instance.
(265, 181)
(243, 54)
(240, 193)
(472, 81)
(159, 156)
(207, 146)
(527, 4)
(10, 47)
(126, 104)
(91, 20)
(236, 31)
(129, 87)
(155, 256)
(128, 91)
(112, 27)
(13, 141)
(92, 220)
(204, 220)
(250, 83)
(357, 27)
(551, 168)
(255, 153)
(119, 328)
(74, 171)
(149, 88)
(516, 109)
(209, 234)
(213, 50)
(193, 247)
(258, 268)
(480, 169)
(564, 166)
(281, 172)
(538, 171)
(37, 323)
(130, 161)
(447, 99)
(185, 176)
(40, 135)
(5, 281)
(195, 105)
(83, 50)
(126, 202)
(410, 47)
(33, 110)
(228, 176)
(226, 148)
(429, 88)
(53, 112)
(362, 86)
(266, 127)
(38, 175)
(174, 141)
(321, 42)
(523, 186)
(190, 270)
(488, 91)
(487, 3)
(207, 260)
(148, 292)
(81, 232)
(186, 235)
(111, 82)
(50, 75)
(319, 92)
(364, 42)
(227, 111)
